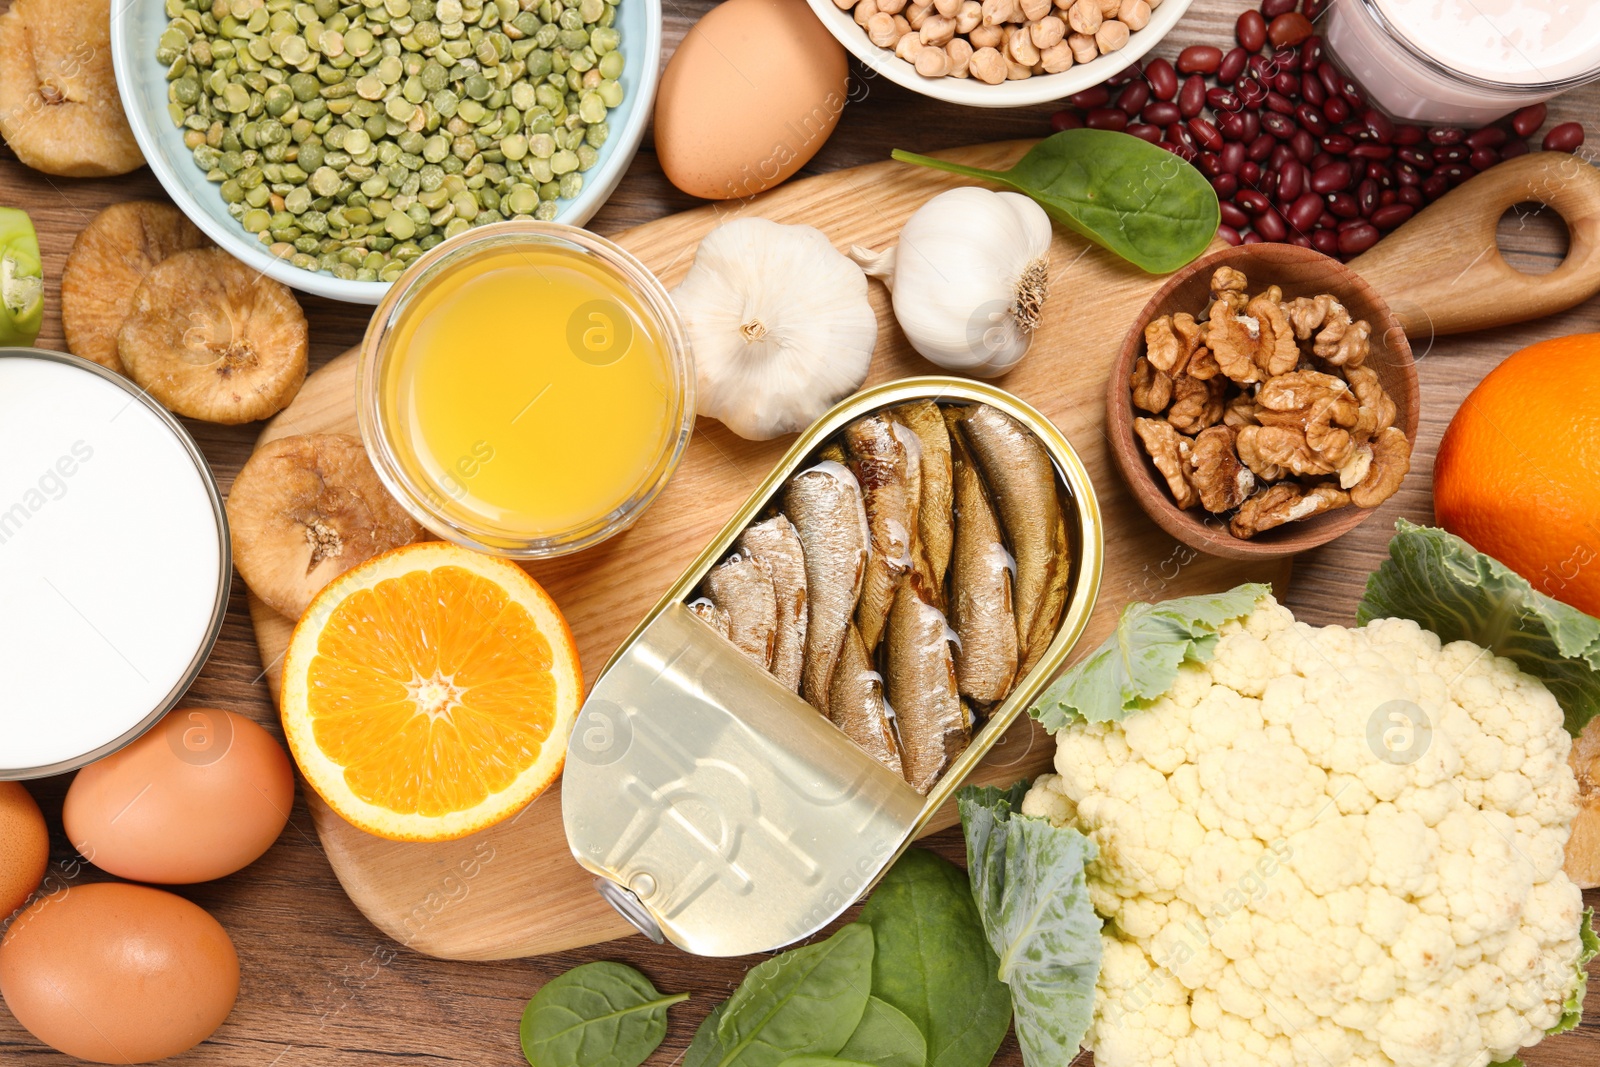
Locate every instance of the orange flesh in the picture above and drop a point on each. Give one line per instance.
(440, 666)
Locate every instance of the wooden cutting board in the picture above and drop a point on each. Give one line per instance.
(514, 890)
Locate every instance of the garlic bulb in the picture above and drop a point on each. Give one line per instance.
(969, 278)
(779, 323)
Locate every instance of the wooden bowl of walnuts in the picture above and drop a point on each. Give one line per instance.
(1264, 402)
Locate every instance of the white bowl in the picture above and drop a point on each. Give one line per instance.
(141, 79)
(1038, 89)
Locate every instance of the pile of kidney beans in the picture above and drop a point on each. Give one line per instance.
(1293, 149)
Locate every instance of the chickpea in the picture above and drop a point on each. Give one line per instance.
(986, 36)
(1056, 58)
(844, 5)
(947, 8)
(1034, 10)
(891, 7)
(1084, 17)
(908, 46)
(933, 63)
(988, 66)
(1108, 8)
(997, 12)
(960, 53)
(1020, 47)
(901, 27)
(1017, 71)
(969, 17)
(881, 31)
(1047, 32)
(1111, 36)
(1084, 49)
(917, 14)
(938, 30)
(864, 11)
(1134, 14)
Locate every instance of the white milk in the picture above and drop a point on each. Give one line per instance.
(110, 564)
(1528, 49)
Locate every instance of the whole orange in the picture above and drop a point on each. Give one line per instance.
(1518, 475)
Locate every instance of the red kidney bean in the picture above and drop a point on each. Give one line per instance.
(1344, 205)
(1253, 201)
(1251, 30)
(1300, 240)
(1292, 179)
(1123, 76)
(1387, 218)
(1210, 164)
(1250, 173)
(1382, 127)
(1253, 239)
(1380, 174)
(1273, 8)
(1234, 215)
(1455, 153)
(1106, 118)
(1232, 157)
(1098, 96)
(1326, 242)
(1406, 174)
(1358, 239)
(1331, 79)
(1182, 151)
(1488, 137)
(1268, 185)
(1320, 160)
(1304, 145)
(1232, 126)
(1280, 126)
(1065, 120)
(1314, 92)
(1529, 119)
(1178, 133)
(1387, 197)
(1199, 59)
(1367, 197)
(1336, 143)
(1220, 99)
(1232, 66)
(1281, 156)
(1252, 125)
(1304, 212)
(1442, 135)
(1372, 151)
(1251, 92)
(1134, 97)
(1336, 110)
(1313, 8)
(1417, 158)
(1311, 55)
(1483, 159)
(1276, 101)
(1409, 195)
(1435, 187)
(1311, 120)
(1408, 135)
(1229, 234)
(1161, 113)
(1289, 29)
(1162, 78)
(1261, 147)
(1192, 97)
(1225, 184)
(1567, 137)
(1331, 178)
(1328, 221)
(1206, 135)
(1145, 132)
(1270, 225)
(1287, 60)
(1514, 149)
(1456, 173)
(1287, 84)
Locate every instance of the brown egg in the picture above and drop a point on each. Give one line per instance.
(201, 795)
(24, 847)
(116, 973)
(753, 91)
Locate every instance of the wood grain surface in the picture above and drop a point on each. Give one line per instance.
(322, 987)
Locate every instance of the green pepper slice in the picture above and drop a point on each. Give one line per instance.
(21, 280)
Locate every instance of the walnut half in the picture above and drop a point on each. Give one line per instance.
(1170, 452)
(1216, 473)
(1282, 503)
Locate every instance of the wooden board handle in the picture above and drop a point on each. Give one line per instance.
(1442, 272)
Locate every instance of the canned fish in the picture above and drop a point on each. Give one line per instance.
(916, 569)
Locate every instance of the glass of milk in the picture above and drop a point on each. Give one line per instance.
(1464, 62)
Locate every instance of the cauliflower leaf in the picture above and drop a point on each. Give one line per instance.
(1032, 893)
(1443, 584)
(1572, 1010)
(1139, 661)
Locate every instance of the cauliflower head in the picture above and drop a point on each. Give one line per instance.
(1327, 846)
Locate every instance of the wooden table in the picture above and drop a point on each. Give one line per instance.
(320, 986)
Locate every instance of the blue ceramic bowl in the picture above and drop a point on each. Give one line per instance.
(136, 25)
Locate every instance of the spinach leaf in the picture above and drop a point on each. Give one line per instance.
(1139, 662)
(1028, 879)
(1443, 584)
(597, 1015)
(886, 1038)
(807, 1001)
(933, 963)
(822, 1061)
(1127, 195)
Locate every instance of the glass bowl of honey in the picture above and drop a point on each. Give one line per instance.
(526, 389)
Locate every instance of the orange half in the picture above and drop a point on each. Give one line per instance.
(428, 693)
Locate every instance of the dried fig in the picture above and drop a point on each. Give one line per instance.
(212, 339)
(108, 262)
(306, 509)
(59, 107)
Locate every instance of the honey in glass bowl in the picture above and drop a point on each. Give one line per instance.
(526, 389)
